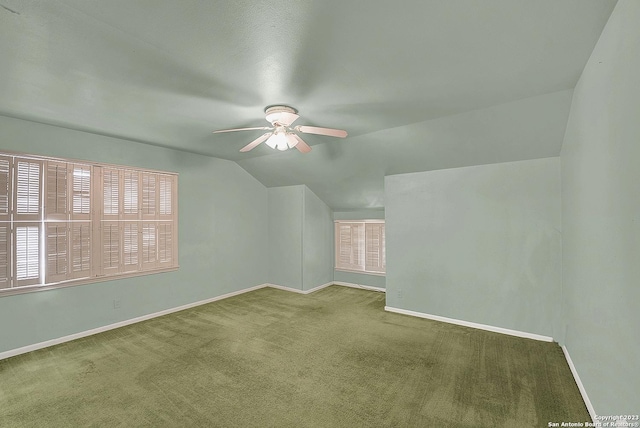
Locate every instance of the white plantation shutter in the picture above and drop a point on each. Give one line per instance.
(167, 226)
(165, 243)
(383, 245)
(56, 190)
(149, 195)
(5, 255)
(149, 245)
(27, 254)
(166, 195)
(63, 220)
(81, 191)
(5, 225)
(131, 244)
(80, 249)
(111, 193)
(27, 212)
(111, 246)
(343, 252)
(374, 247)
(57, 239)
(131, 182)
(5, 188)
(27, 189)
(151, 241)
(350, 248)
(359, 246)
(68, 226)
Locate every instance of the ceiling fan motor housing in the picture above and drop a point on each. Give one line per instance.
(280, 114)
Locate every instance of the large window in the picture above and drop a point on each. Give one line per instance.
(360, 246)
(63, 222)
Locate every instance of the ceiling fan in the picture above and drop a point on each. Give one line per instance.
(282, 135)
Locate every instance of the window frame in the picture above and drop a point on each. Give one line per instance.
(77, 220)
(360, 265)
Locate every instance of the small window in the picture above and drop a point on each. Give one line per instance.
(360, 246)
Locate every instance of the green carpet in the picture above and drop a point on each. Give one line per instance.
(272, 358)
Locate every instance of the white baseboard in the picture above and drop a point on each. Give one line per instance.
(471, 324)
(583, 391)
(366, 287)
(63, 339)
(296, 290)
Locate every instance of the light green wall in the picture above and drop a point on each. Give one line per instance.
(349, 174)
(601, 218)
(479, 244)
(222, 227)
(300, 238)
(285, 235)
(360, 278)
(317, 242)
(359, 215)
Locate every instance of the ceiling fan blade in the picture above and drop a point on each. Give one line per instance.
(241, 129)
(255, 142)
(302, 146)
(291, 139)
(322, 131)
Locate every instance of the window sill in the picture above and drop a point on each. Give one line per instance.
(365, 272)
(82, 281)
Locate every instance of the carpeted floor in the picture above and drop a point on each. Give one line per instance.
(271, 358)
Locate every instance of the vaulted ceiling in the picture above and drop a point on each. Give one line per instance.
(419, 85)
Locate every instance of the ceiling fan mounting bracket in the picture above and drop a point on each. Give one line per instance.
(279, 108)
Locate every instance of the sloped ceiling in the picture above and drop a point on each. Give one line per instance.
(419, 85)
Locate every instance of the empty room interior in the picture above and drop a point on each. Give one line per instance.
(319, 213)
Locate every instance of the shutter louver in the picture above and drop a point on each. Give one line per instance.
(111, 192)
(56, 184)
(27, 254)
(110, 247)
(384, 250)
(149, 245)
(80, 249)
(5, 226)
(81, 192)
(373, 242)
(357, 246)
(130, 247)
(149, 195)
(5, 256)
(131, 188)
(57, 252)
(5, 188)
(28, 195)
(27, 189)
(165, 243)
(344, 252)
(166, 195)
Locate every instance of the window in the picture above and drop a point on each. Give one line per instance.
(65, 222)
(360, 246)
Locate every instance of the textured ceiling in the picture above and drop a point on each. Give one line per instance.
(418, 85)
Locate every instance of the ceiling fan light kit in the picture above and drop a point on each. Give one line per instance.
(282, 136)
(279, 140)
